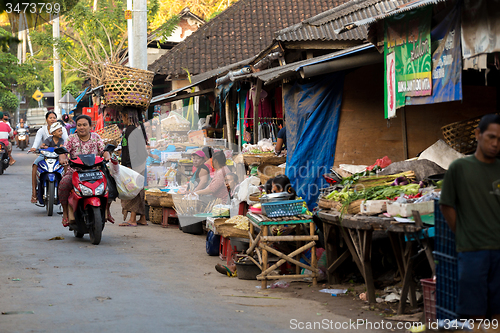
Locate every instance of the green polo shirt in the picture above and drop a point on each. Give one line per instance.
(469, 187)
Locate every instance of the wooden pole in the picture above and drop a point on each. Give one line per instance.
(254, 243)
(289, 238)
(256, 112)
(313, 255)
(284, 258)
(228, 123)
(277, 277)
(265, 231)
(405, 136)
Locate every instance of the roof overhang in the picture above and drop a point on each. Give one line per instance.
(298, 69)
(396, 11)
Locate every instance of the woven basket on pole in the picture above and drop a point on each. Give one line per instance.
(125, 86)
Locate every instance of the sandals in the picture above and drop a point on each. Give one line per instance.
(224, 270)
(65, 222)
(127, 224)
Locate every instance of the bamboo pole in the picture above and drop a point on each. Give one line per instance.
(285, 258)
(265, 231)
(277, 277)
(313, 256)
(255, 262)
(254, 242)
(289, 238)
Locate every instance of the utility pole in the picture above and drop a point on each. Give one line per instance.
(130, 30)
(57, 69)
(140, 34)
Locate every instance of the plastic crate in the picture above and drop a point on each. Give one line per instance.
(442, 314)
(429, 288)
(282, 208)
(444, 241)
(446, 281)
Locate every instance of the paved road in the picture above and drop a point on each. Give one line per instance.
(144, 279)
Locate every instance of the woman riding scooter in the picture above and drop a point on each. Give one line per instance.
(82, 142)
(41, 135)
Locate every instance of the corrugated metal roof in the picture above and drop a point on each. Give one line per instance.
(323, 27)
(277, 73)
(358, 24)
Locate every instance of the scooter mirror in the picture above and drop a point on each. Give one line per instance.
(109, 148)
(60, 150)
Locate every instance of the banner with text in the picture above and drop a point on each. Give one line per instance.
(408, 65)
(446, 62)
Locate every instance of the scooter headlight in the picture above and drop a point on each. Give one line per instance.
(87, 192)
(77, 191)
(100, 189)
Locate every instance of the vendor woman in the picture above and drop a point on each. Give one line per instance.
(201, 176)
(217, 186)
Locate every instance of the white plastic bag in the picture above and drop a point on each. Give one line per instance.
(128, 182)
(248, 187)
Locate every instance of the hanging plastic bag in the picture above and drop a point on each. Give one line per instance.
(129, 182)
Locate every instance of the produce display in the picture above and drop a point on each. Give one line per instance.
(240, 222)
(364, 186)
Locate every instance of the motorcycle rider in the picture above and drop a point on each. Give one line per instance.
(41, 135)
(7, 132)
(20, 125)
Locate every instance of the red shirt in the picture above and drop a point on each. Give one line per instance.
(5, 132)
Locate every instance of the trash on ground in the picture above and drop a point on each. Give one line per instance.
(17, 312)
(334, 292)
(56, 238)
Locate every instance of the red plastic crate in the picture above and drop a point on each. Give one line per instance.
(429, 287)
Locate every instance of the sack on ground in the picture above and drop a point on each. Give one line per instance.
(129, 182)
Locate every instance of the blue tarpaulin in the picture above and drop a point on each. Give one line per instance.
(312, 122)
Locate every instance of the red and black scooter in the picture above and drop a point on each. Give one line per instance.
(89, 197)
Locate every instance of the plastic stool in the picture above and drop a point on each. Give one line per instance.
(167, 213)
(224, 248)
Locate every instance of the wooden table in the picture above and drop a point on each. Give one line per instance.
(357, 232)
(262, 243)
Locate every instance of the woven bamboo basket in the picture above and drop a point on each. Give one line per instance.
(153, 198)
(268, 158)
(354, 207)
(110, 134)
(253, 197)
(155, 214)
(166, 200)
(460, 135)
(125, 86)
(267, 171)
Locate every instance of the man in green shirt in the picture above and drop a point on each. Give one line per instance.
(470, 203)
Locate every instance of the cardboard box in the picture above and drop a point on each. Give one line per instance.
(373, 207)
(405, 210)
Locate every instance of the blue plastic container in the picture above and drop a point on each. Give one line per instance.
(442, 314)
(283, 208)
(444, 241)
(446, 281)
(213, 242)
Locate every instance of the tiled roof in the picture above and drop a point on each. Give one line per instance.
(322, 26)
(238, 33)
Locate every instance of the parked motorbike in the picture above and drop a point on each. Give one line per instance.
(89, 197)
(48, 176)
(4, 158)
(22, 138)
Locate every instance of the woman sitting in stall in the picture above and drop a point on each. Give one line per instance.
(209, 152)
(232, 184)
(201, 176)
(217, 186)
(281, 183)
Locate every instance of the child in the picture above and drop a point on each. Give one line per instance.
(56, 140)
(281, 183)
(232, 184)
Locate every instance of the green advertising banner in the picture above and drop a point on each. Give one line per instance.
(408, 60)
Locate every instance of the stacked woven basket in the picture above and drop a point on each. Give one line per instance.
(125, 86)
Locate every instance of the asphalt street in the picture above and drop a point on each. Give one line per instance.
(143, 279)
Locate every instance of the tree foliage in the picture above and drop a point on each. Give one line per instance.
(8, 101)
